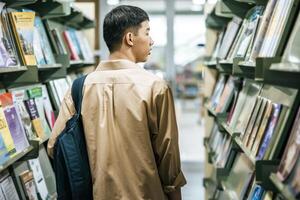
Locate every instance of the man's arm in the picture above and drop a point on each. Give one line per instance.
(66, 111)
(165, 143)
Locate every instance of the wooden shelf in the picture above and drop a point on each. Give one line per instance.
(18, 3)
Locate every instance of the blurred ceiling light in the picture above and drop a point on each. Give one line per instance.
(212, 1)
(113, 2)
(196, 7)
(199, 2)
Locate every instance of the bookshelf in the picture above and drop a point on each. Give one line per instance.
(35, 72)
(253, 134)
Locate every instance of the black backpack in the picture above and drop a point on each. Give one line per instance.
(71, 163)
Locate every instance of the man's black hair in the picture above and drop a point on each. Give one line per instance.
(118, 20)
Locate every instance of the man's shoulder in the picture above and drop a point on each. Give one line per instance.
(156, 81)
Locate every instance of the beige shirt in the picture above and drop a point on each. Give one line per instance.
(131, 132)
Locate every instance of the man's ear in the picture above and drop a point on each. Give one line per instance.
(129, 38)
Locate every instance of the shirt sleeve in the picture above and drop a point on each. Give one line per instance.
(66, 111)
(165, 142)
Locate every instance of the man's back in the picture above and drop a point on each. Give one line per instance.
(131, 133)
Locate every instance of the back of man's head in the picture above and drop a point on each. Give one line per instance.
(118, 20)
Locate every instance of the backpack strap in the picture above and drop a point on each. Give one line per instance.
(76, 92)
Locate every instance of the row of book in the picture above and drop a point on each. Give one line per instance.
(33, 180)
(257, 122)
(25, 40)
(26, 114)
(241, 176)
(259, 34)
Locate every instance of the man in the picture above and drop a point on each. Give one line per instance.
(128, 117)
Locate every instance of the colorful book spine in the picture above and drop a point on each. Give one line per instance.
(35, 118)
(14, 122)
(269, 131)
(5, 133)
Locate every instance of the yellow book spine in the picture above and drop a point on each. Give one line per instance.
(4, 131)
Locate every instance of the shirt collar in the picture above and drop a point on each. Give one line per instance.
(116, 64)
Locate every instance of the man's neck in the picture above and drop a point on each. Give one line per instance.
(117, 55)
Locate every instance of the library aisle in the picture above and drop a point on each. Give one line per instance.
(192, 156)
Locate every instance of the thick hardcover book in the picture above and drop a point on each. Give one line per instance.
(23, 28)
(39, 177)
(35, 118)
(28, 184)
(262, 127)
(291, 152)
(8, 187)
(5, 133)
(14, 122)
(18, 98)
(269, 131)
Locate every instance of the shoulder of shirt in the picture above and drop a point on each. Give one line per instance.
(157, 82)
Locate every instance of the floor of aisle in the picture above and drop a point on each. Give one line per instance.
(191, 148)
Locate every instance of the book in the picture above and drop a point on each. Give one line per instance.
(230, 34)
(226, 96)
(61, 49)
(75, 42)
(47, 172)
(28, 184)
(37, 48)
(8, 188)
(48, 107)
(14, 122)
(217, 92)
(44, 41)
(85, 47)
(35, 118)
(249, 32)
(262, 30)
(276, 27)
(269, 154)
(23, 28)
(246, 109)
(3, 151)
(269, 131)
(39, 179)
(257, 123)
(294, 184)
(5, 133)
(252, 119)
(262, 128)
(8, 54)
(232, 109)
(36, 93)
(291, 152)
(257, 192)
(73, 52)
(19, 96)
